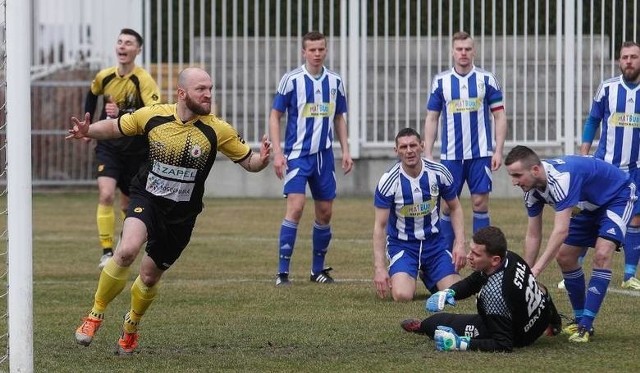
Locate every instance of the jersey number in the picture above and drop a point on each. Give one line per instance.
(533, 295)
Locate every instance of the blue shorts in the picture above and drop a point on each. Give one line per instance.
(475, 172)
(609, 222)
(435, 260)
(634, 175)
(316, 169)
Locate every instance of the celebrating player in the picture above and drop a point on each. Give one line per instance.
(124, 88)
(593, 202)
(513, 309)
(166, 195)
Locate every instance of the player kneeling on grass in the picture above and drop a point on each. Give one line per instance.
(513, 309)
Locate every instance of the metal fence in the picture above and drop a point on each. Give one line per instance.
(387, 51)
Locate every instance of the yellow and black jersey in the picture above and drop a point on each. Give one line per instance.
(130, 92)
(180, 156)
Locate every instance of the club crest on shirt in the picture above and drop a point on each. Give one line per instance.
(481, 88)
(332, 93)
(435, 191)
(196, 151)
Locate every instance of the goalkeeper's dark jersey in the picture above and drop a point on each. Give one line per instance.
(511, 304)
(180, 156)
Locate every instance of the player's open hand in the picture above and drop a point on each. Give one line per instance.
(382, 281)
(79, 130)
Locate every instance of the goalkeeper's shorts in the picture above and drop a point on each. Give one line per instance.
(465, 325)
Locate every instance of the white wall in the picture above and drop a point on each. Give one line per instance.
(88, 27)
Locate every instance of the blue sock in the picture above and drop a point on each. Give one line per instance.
(288, 231)
(480, 220)
(574, 282)
(631, 252)
(321, 237)
(598, 285)
(447, 230)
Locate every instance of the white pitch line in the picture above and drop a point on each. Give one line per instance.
(213, 281)
(633, 293)
(170, 282)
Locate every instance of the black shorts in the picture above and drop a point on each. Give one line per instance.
(470, 325)
(118, 166)
(165, 241)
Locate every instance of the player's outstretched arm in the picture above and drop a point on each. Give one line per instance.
(556, 238)
(102, 130)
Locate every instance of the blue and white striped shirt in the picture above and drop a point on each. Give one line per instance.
(618, 106)
(578, 182)
(311, 105)
(465, 104)
(414, 203)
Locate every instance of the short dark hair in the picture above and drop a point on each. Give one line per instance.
(312, 36)
(407, 132)
(629, 44)
(493, 240)
(132, 32)
(460, 35)
(521, 153)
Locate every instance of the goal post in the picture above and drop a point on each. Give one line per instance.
(19, 203)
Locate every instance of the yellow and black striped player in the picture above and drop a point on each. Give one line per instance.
(124, 88)
(166, 194)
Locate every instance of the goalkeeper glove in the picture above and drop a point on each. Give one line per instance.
(437, 301)
(447, 340)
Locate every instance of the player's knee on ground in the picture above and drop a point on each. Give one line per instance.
(402, 294)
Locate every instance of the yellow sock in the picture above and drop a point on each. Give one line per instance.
(141, 298)
(106, 219)
(113, 278)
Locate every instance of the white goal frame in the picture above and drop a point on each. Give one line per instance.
(19, 214)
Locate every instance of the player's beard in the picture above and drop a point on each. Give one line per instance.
(630, 75)
(196, 108)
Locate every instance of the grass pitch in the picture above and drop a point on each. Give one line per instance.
(218, 308)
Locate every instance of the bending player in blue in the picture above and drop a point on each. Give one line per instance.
(593, 202)
(513, 309)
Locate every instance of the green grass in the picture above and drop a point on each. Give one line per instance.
(218, 308)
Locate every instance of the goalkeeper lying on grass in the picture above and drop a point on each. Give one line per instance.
(513, 309)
